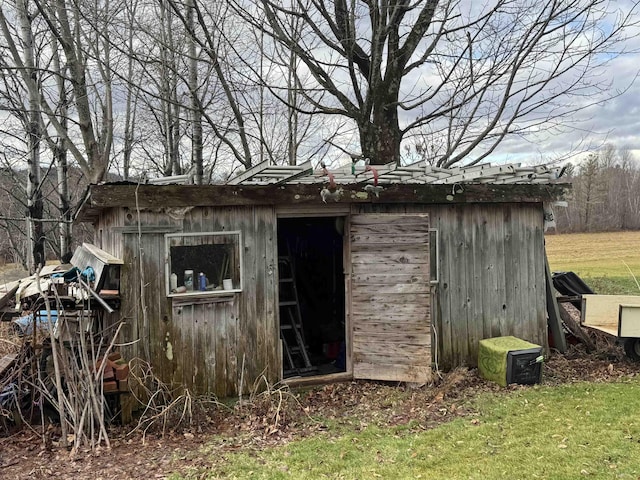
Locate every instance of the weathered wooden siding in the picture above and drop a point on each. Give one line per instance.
(245, 334)
(491, 275)
(390, 297)
(198, 343)
(108, 231)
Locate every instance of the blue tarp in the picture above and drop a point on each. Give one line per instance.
(24, 325)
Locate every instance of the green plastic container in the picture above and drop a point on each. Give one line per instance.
(507, 360)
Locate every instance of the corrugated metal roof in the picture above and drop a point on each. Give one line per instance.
(417, 173)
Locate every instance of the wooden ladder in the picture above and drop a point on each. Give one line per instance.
(291, 331)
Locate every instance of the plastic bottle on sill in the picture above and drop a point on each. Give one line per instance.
(173, 282)
(188, 280)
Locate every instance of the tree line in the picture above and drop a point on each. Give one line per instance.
(158, 88)
(605, 193)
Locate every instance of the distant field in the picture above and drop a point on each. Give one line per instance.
(605, 260)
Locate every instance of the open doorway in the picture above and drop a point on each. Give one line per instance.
(311, 295)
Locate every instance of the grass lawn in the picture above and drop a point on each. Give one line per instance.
(607, 262)
(575, 431)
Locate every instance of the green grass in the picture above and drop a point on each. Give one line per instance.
(576, 431)
(607, 262)
(612, 285)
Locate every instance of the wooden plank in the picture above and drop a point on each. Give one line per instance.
(374, 325)
(476, 256)
(231, 375)
(397, 288)
(256, 306)
(376, 296)
(158, 307)
(187, 350)
(252, 336)
(385, 228)
(200, 325)
(485, 263)
(541, 332)
(376, 353)
(380, 240)
(553, 313)
(381, 309)
(401, 268)
(412, 338)
(369, 279)
(521, 307)
(173, 344)
(151, 196)
(539, 280)
(296, 382)
(511, 262)
(443, 333)
(459, 272)
(392, 317)
(603, 310)
(273, 360)
(629, 323)
(209, 354)
(104, 257)
(221, 344)
(392, 372)
(6, 362)
(390, 258)
(382, 220)
(608, 329)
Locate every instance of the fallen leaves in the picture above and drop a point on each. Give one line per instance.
(288, 415)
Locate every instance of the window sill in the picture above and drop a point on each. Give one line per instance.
(208, 293)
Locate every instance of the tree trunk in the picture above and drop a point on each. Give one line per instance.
(380, 139)
(34, 192)
(59, 150)
(196, 109)
(169, 94)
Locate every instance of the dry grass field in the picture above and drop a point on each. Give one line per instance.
(607, 261)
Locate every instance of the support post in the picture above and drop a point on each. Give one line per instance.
(554, 321)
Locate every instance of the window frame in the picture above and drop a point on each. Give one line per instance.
(434, 250)
(198, 293)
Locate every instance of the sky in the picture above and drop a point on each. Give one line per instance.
(615, 121)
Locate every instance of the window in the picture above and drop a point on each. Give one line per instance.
(200, 264)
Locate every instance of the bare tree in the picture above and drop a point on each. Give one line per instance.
(25, 66)
(464, 75)
(605, 194)
(84, 51)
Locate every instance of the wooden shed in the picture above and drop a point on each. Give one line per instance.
(287, 272)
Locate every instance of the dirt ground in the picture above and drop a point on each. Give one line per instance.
(284, 415)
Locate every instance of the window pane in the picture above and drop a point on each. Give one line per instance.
(205, 262)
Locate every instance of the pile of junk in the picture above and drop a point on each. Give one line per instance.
(66, 311)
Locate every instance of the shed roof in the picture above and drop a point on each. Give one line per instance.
(391, 173)
(267, 184)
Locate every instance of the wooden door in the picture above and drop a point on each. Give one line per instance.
(390, 297)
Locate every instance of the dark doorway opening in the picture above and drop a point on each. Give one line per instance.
(311, 295)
